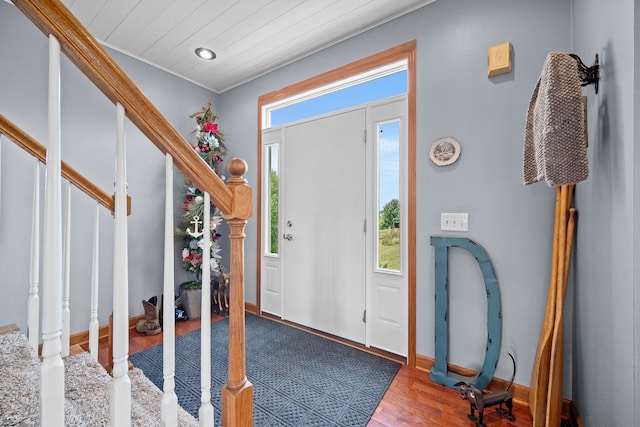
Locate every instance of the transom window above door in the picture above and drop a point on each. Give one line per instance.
(373, 85)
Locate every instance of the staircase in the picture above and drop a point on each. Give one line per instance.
(86, 389)
(49, 290)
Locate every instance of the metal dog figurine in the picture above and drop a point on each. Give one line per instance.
(478, 401)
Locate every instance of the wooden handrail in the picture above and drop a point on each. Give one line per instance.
(234, 201)
(52, 17)
(39, 151)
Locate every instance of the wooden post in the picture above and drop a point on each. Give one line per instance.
(237, 394)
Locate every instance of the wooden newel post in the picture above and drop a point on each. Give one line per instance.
(237, 394)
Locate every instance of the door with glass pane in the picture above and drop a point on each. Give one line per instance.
(323, 231)
(323, 186)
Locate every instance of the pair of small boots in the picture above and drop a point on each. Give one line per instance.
(150, 325)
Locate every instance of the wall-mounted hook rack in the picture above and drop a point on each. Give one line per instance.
(588, 75)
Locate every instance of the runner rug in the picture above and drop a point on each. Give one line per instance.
(299, 379)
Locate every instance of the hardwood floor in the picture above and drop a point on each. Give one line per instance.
(411, 400)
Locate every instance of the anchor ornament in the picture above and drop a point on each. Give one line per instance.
(196, 222)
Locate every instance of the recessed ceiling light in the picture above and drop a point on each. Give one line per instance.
(205, 53)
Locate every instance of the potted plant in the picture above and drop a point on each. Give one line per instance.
(209, 145)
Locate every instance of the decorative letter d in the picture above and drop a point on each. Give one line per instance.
(439, 372)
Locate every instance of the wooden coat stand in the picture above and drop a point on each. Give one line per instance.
(545, 394)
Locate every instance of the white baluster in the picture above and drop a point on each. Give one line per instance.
(169, 412)
(205, 414)
(66, 276)
(120, 409)
(94, 326)
(52, 368)
(33, 309)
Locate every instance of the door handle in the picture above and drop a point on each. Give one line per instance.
(287, 236)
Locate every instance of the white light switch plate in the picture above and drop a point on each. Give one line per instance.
(454, 221)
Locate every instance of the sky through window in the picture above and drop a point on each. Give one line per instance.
(383, 87)
(362, 93)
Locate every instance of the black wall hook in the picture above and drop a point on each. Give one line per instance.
(588, 75)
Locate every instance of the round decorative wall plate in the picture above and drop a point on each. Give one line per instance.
(444, 151)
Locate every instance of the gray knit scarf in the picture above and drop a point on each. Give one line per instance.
(555, 145)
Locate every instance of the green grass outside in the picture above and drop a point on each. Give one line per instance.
(389, 249)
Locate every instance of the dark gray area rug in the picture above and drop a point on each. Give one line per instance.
(299, 379)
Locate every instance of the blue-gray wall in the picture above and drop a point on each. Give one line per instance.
(88, 144)
(455, 97)
(513, 222)
(606, 320)
(636, 222)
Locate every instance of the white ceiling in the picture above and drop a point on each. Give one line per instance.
(250, 37)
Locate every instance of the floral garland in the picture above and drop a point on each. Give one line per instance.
(192, 249)
(209, 144)
(209, 140)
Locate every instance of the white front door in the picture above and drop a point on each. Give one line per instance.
(323, 224)
(319, 266)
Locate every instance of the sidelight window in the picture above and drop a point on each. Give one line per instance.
(272, 196)
(389, 224)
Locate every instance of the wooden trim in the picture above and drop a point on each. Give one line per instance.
(82, 338)
(109, 364)
(52, 17)
(411, 204)
(519, 392)
(251, 308)
(9, 328)
(39, 151)
(404, 51)
(76, 349)
(388, 56)
(259, 210)
(573, 417)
